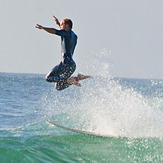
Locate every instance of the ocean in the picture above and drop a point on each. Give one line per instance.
(128, 110)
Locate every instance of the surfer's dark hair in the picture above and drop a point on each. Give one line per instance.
(69, 22)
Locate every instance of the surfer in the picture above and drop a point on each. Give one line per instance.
(61, 74)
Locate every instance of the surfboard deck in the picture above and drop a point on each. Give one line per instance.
(81, 131)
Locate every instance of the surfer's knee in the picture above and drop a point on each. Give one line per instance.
(48, 78)
(58, 89)
(61, 86)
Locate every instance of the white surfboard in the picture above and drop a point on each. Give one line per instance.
(82, 132)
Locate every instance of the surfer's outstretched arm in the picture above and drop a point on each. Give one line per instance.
(49, 30)
(56, 21)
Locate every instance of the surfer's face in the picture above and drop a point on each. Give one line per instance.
(63, 25)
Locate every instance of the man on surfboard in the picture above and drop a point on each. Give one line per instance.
(61, 74)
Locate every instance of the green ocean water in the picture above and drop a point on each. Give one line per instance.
(80, 148)
(128, 108)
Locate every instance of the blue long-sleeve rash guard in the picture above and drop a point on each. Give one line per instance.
(68, 43)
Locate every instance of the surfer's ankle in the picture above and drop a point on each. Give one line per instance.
(81, 77)
(76, 78)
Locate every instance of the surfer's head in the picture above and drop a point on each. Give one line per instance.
(66, 24)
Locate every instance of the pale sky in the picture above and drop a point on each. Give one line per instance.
(132, 30)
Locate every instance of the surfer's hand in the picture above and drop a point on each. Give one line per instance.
(39, 26)
(56, 20)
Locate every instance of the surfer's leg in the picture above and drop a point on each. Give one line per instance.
(68, 71)
(56, 74)
(53, 73)
(62, 85)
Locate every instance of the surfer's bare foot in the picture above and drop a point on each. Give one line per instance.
(81, 77)
(74, 81)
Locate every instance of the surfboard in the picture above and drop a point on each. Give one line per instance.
(81, 131)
